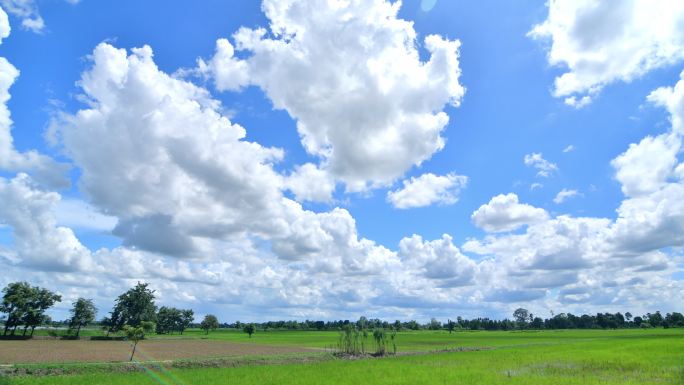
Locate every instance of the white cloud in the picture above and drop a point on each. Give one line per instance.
(569, 148)
(309, 183)
(29, 14)
(599, 43)
(535, 186)
(4, 25)
(38, 240)
(544, 167)
(428, 189)
(505, 213)
(645, 167)
(350, 74)
(438, 259)
(564, 195)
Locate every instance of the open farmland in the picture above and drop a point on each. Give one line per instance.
(545, 357)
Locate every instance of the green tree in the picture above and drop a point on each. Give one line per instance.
(40, 300)
(137, 333)
(186, 318)
(520, 315)
(451, 325)
(82, 314)
(210, 322)
(249, 329)
(14, 303)
(133, 307)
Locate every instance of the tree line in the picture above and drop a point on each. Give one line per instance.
(135, 312)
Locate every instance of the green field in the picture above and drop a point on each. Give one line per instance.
(654, 356)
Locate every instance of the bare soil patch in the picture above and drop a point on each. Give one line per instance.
(60, 351)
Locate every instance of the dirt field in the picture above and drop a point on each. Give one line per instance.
(53, 351)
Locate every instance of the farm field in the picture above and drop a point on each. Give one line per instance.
(654, 356)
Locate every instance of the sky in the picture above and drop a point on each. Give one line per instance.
(329, 159)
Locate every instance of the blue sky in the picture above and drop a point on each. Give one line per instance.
(512, 108)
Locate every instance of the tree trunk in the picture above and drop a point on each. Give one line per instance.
(6, 327)
(133, 353)
(78, 331)
(33, 328)
(24, 333)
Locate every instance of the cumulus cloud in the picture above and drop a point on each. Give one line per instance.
(310, 183)
(350, 74)
(428, 189)
(505, 213)
(438, 259)
(564, 195)
(599, 43)
(544, 167)
(39, 242)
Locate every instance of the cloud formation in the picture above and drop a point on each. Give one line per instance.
(365, 104)
(599, 43)
(505, 213)
(428, 189)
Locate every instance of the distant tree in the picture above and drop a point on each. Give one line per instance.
(520, 315)
(82, 314)
(397, 325)
(628, 316)
(434, 324)
(451, 325)
(655, 319)
(137, 333)
(362, 323)
(210, 322)
(133, 307)
(249, 329)
(186, 318)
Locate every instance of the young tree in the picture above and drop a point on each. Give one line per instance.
(133, 307)
(210, 322)
(137, 333)
(249, 329)
(82, 314)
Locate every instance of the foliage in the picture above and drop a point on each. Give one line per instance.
(210, 322)
(133, 307)
(26, 305)
(82, 314)
(249, 329)
(170, 319)
(380, 338)
(137, 333)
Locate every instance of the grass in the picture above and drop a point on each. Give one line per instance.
(653, 356)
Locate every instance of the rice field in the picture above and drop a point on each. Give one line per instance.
(654, 356)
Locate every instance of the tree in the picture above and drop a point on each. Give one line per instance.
(210, 322)
(451, 325)
(26, 305)
(521, 316)
(133, 307)
(137, 333)
(186, 318)
(434, 324)
(249, 329)
(82, 314)
(14, 303)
